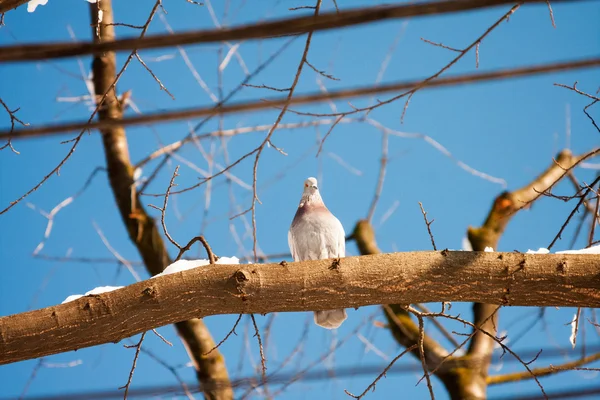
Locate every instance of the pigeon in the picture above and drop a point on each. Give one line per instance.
(317, 234)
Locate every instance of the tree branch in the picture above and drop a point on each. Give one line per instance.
(140, 226)
(543, 371)
(508, 203)
(456, 373)
(562, 280)
(282, 27)
(7, 5)
(505, 206)
(317, 97)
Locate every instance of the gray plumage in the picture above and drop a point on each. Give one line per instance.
(317, 234)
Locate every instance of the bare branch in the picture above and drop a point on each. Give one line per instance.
(282, 27)
(153, 118)
(163, 210)
(385, 370)
(428, 225)
(544, 371)
(138, 347)
(13, 119)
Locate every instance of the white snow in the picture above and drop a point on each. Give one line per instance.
(541, 250)
(489, 249)
(589, 250)
(183, 265)
(466, 244)
(137, 174)
(32, 5)
(573, 337)
(96, 290)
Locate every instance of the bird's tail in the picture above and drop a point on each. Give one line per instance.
(330, 319)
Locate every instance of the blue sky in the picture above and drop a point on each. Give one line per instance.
(508, 129)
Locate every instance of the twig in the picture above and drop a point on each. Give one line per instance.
(115, 253)
(581, 200)
(437, 146)
(232, 331)
(337, 121)
(322, 73)
(441, 45)
(138, 347)
(422, 354)
(172, 369)
(267, 87)
(13, 118)
(162, 87)
(575, 329)
(438, 325)
(595, 219)
(163, 210)
(595, 99)
(32, 377)
(551, 13)
(211, 257)
(381, 375)
(263, 361)
(544, 371)
(575, 89)
(428, 225)
(382, 171)
(161, 337)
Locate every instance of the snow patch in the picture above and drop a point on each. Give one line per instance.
(96, 290)
(183, 265)
(541, 250)
(589, 250)
(32, 5)
(466, 244)
(573, 337)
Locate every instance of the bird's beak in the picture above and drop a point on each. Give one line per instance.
(314, 186)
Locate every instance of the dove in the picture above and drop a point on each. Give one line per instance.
(317, 234)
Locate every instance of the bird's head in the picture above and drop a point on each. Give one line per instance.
(310, 186)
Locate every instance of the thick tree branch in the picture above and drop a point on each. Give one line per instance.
(282, 27)
(317, 97)
(562, 280)
(403, 328)
(140, 226)
(508, 203)
(7, 5)
(505, 206)
(456, 373)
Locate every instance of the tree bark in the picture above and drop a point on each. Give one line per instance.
(140, 226)
(560, 280)
(7, 5)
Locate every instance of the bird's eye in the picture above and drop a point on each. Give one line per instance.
(306, 185)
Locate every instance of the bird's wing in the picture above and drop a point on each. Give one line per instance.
(341, 239)
(291, 244)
